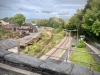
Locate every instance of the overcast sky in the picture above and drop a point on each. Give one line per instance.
(39, 9)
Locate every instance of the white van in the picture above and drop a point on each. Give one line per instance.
(82, 37)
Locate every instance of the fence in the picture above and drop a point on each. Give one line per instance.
(92, 55)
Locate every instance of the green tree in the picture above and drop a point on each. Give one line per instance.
(56, 22)
(96, 27)
(11, 19)
(33, 21)
(5, 18)
(87, 20)
(52, 22)
(91, 18)
(42, 22)
(18, 19)
(76, 22)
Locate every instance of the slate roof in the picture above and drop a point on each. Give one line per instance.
(32, 26)
(13, 25)
(8, 43)
(29, 24)
(5, 20)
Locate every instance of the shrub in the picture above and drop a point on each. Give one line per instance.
(81, 41)
(80, 45)
(35, 48)
(64, 34)
(57, 30)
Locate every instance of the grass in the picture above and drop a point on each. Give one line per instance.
(41, 50)
(4, 34)
(83, 57)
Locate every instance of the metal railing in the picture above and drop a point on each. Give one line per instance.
(72, 60)
(60, 58)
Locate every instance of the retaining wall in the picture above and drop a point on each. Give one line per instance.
(95, 56)
(47, 67)
(8, 72)
(96, 45)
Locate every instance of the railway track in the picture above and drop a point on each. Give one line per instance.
(58, 51)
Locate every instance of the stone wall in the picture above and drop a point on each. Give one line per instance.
(42, 67)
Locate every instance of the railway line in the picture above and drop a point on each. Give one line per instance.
(58, 51)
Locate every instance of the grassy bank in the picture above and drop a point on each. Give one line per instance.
(4, 34)
(82, 55)
(39, 48)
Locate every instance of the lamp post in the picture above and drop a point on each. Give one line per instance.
(18, 47)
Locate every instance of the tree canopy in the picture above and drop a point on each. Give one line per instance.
(5, 18)
(33, 21)
(87, 20)
(18, 19)
(52, 22)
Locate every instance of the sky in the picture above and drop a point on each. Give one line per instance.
(41, 9)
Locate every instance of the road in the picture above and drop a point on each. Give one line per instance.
(26, 39)
(58, 51)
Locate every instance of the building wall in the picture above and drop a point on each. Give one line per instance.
(3, 22)
(25, 27)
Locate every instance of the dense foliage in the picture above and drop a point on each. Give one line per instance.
(33, 22)
(17, 19)
(87, 20)
(52, 22)
(76, 21)
(81, 44)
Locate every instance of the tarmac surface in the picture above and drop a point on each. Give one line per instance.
(26, 39)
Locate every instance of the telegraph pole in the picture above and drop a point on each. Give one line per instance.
(18, 47)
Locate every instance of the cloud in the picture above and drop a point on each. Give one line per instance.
(19, 4)
(68, 6)
(63, 13)
(47, 11)
(82, 2)
(40, 8)
(5, 6)
(27, 10)
(1, 5)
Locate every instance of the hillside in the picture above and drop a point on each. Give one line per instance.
(31, 19)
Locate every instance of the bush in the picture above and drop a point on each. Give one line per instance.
(35, 48)
(57, 30)
(64, 34)
(81, 41)
(80, 45)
